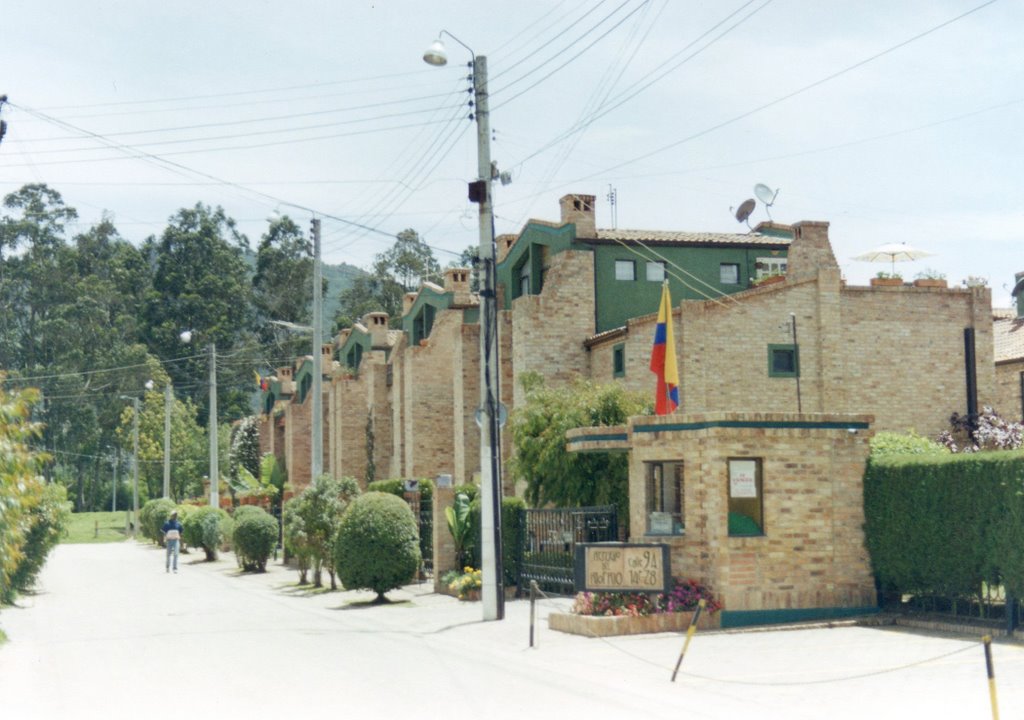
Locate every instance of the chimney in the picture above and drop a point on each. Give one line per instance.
(377, 324)
(810, 251)
(579, 210)
(326, 357)
(1018, 292)
(284, 373)
(407, 302)
(504, 244)
(456, 280)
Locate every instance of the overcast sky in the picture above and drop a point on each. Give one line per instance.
(893, 121)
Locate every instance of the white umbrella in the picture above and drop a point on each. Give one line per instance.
(894, 253)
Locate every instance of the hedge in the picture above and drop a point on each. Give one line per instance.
(943, 525)
(511, 536)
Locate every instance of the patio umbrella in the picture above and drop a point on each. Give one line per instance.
(894, 253)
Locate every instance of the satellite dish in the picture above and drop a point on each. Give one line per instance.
(744, 210)
(766, 195)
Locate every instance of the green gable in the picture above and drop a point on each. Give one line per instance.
(357, 344)
(527, 257)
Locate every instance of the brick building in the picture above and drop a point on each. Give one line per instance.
(1008, 332)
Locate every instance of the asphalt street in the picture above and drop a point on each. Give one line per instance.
(110, 635)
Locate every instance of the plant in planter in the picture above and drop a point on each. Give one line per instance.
(930, 278)
(461, 527)
(887, 278)
(767, 279)
(466, 585)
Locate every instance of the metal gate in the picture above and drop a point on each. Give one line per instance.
(549, 543)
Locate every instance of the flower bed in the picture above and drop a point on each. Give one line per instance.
(607, 613)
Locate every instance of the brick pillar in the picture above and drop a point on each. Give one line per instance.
(444, 544)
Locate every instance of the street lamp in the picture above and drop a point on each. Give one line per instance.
(186, 337)
(492, 595)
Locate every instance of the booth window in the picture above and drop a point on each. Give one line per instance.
(656, 271)
(729, 273)
(664, 498)
(746, 497)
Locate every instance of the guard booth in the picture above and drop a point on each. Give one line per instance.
(764, 508)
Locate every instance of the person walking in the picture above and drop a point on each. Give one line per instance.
(172, 539)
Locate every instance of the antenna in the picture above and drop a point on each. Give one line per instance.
(743, 211)
(613, 197)
(766, 195)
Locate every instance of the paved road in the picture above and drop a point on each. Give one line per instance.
(112, 636)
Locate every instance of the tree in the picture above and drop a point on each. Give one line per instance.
(317, 515)
(282, 285)
(396, 271)
(201, 283)
(551, 473)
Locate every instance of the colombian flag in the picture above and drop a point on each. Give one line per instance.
(663, 358)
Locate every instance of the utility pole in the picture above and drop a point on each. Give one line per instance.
(135, 467)
(167, 440)
(214, 470)
(317, 461)
(113, 499)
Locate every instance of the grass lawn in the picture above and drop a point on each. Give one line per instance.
(82, 527)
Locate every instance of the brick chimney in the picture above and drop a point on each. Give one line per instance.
(407, 301)
(504, 244)
(810, 250)
(456, 280)
(579, 209)
(377, 325)
(326, 357)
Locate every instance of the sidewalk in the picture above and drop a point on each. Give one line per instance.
(112, 636)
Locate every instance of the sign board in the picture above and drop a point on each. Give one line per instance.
(412, 485)
(743, 478)
(623, 567)
(443, 481)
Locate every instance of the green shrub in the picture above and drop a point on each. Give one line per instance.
(377, 547)
(152, 517)
(942, 525)
(511, 536)
(909, 443)
(208, 528)
(254, 538)
(312, 521)
(47, 521)
(243, 511)
(296, 538)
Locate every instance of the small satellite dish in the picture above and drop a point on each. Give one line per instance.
(744, 210)
(766, 195)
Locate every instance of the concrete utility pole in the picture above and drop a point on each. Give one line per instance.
(113, 499)
(492, 592)
(167, 440)
(135, 463)
(214, 470)
(317, 461)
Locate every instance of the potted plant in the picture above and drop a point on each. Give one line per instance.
(886, 279)
(930, 278)
(768, 280)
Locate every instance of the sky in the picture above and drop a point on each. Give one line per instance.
(892, 121)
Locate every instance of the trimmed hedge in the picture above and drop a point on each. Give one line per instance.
(377, 547)
(511, 536)
(152, 517)
(254, 538)
(943, 525)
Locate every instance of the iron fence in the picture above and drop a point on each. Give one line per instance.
(549, 544)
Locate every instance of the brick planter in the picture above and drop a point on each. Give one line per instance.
(603, 626)
(886, 282)
(930, 283)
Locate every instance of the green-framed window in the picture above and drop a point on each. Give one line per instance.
(746, 497)
(619, 360)
(783, 361)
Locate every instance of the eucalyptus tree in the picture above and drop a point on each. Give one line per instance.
(282, 287)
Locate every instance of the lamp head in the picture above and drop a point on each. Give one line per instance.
(149, 384)
(436, 54)
(186, 336)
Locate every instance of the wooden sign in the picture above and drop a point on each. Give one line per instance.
(622, 567)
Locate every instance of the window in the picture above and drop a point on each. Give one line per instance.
(656, 271)
(766, 266)
(729, 274)
(524, 280)
(664, 498)
(746, 490)
(783, 361)
(625, 270)
(619, 360)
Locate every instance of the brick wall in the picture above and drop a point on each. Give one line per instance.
(548, 329)
(896, 353)
(1008, 390)
(428, 401)
(812, 552)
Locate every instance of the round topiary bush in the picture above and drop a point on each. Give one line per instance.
(254, 539)
(377, 547)
(207, 528)
(152, 517)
